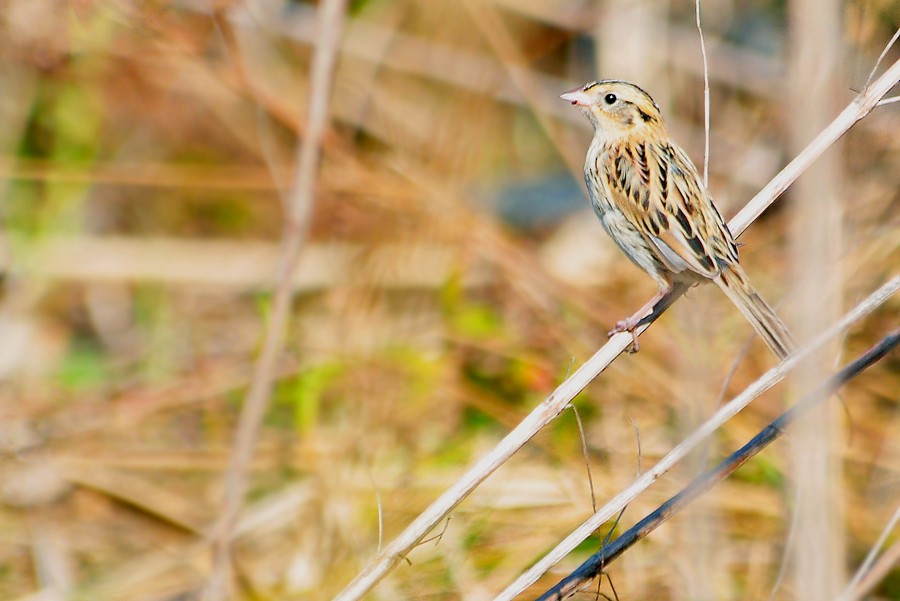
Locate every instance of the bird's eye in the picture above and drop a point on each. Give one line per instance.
(610, 99)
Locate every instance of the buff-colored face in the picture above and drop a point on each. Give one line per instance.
(616, 108)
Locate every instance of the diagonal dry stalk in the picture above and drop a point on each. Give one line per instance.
(858, 108)
(886, 562)
(553, 405)
(588, 571)
(871, 572)
(298, 210)
(559, 399)
(705, 430)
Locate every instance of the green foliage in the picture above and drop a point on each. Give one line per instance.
(65, 127)
(21, 211)
(468, 317)
(474, 420)
(226, 216)
(477, 321)
(84, 368)
(75, 118)
(890, 586)
(420, 371)
(760, 470)
(160, 337)
(592, 544)
(307, 392)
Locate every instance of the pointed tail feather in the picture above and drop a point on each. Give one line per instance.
(764, 320)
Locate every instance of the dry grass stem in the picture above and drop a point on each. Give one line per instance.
(881, 56)
(886, 562)
(705, 95)
(251, 265)
(298, 212)
(870, 573)
(590, 569)
(817, 557)
(861, 106)
(554, 404)
(709, 427)
(180, 386)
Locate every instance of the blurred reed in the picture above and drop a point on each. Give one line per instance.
(452, 277)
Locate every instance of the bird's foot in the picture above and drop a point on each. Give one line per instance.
(627, 325)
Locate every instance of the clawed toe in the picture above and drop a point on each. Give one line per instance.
(635, 347)
(621, 326)
(626, 326)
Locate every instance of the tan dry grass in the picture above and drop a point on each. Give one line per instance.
(119, 404)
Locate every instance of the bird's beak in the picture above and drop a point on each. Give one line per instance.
(577, 97)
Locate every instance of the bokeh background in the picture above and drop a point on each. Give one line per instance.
(453, 276)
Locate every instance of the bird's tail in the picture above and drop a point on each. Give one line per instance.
(764, 320)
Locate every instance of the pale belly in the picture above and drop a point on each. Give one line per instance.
(632, 243)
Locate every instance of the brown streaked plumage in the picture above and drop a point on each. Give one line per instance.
(653, 203)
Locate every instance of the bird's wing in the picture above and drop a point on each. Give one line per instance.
(661, 194)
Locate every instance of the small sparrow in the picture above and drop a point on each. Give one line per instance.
(653, 203)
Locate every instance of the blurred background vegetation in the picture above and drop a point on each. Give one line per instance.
(453, 276)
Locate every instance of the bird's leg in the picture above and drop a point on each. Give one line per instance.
(666, 300)
(645, 314)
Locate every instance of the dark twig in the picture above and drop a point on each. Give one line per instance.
(692, 441)
(587, 571)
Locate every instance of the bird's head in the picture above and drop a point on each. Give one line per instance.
(617, 108)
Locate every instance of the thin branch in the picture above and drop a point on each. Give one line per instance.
(705, 97)
(640, 454)
(788, 545)
(589, 570)
(879, 571)
(723, 390)
(379, 507)
(586, 455)
(554, 404)
(890, 100)
(298, 212)
(881, 56)
(706, 429)
(854, 590)
(861, 106)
